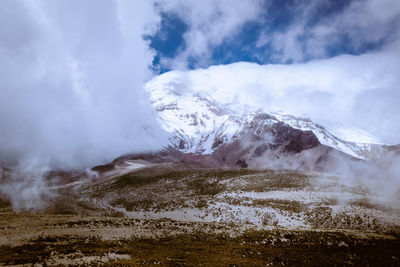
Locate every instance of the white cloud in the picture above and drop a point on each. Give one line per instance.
(361, 91)
(360, 22)
(71, 82)
(365, 21)
(210, 22)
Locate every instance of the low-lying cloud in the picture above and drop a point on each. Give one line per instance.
(71, 81)
(351, 91)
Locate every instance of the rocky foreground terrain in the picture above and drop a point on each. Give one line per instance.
(151, 212)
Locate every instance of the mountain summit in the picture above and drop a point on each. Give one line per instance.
(217, 134)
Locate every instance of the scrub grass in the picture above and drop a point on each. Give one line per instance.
(252, 248)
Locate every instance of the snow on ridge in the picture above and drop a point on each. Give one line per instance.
(328, 137)
(191, 114)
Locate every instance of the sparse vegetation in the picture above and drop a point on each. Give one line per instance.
(146, 189)
(221, 193)
(252, 248)
(325, 218)
(147, 176)
(198, 184)
(237, 201)
(286, 205)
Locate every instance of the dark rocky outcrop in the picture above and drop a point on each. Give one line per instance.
(291, 139)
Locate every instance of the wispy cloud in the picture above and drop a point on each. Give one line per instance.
(281, 32)
(209, 23)
(353, 28)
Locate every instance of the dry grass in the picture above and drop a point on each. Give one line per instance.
(285, 205)
(207, 192)
(269, 180)
(325, 218)
(151, 176)
(151, 188)
(252, 248)
(147, 189)
(182, 243)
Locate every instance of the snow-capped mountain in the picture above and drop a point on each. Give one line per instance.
(200, 125)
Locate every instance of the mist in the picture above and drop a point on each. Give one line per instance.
(335, 173)
(71, 81)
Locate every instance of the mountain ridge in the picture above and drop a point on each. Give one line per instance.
(199, 125)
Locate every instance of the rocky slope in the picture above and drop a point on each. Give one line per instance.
(214, 134)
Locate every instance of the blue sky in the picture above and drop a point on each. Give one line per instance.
(275, 19)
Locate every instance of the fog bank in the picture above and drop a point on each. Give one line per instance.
(71, 81)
